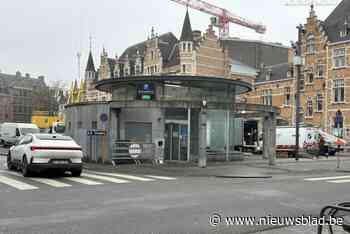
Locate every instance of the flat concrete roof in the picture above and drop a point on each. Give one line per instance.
(203, 82)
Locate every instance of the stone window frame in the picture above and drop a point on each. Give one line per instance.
(338, 95)
(287, 97)
(309, 73)
(310, 44)
(309, 108)
(319, 102)
(267, 97)
(318, 74)
(336, 56)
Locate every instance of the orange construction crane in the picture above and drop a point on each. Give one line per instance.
(222, 17)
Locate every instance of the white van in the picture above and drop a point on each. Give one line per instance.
(285, 139)
(12, 132)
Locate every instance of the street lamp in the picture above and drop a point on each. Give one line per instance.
(298, 62)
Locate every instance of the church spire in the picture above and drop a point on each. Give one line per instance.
(90, 64)
(186, 34)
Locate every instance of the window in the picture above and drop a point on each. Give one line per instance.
(189, 47)
(126, 72)
(310, 44)
(320, 71)
(152, 55)
(338, 86)
(319, 102)
(339, 58)
(267, 97)
(183, 68)
(309, 74)
(287, 96)
(184, 47)
(69, 125)
(94, 124)
(137, 69)
(309, 107)
(80, 124)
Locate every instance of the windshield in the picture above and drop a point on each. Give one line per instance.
(53, 137)
(25, 131)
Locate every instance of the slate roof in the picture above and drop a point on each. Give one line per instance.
(166, 43)
(90, 64)
(278, 72)
(255, 53)
(335, 22)
(10, 81)
(186, 34)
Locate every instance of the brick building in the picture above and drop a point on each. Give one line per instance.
(194, 53)
(325, 75)
(20, 96)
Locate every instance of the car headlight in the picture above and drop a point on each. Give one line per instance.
(76, 160)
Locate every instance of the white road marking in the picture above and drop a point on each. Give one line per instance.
(124, 176)
(16, 184)
(338, 181)
(161, 177)
(83, 181)
(328, 178)
(109, 179)
(51, 182)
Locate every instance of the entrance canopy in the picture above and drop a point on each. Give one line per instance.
(202, 82)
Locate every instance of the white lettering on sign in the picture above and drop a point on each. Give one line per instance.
(135, 150)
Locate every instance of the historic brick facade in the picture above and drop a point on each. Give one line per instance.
(325, 80)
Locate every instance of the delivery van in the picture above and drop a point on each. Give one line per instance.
(13, 132)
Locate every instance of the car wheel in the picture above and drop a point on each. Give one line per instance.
(76, 173)
(25, 170)
(10, 165)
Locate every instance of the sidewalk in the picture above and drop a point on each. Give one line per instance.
(253, 166)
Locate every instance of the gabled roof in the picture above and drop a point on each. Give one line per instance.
(186, 34)
(166, 43)
(11, 81)
(90, 64)
(335, 22)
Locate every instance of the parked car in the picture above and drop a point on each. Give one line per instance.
(11, 133)
(40, 152)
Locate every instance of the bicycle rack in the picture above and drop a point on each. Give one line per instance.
(332, 211)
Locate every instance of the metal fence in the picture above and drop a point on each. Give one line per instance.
(120, 151)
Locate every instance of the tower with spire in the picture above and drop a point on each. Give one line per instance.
(186, 46)
(90, 79)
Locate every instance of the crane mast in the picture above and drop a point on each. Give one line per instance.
(224, 16)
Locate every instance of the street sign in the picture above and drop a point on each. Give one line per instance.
(103, 117)
(135, 150)
(96, 132)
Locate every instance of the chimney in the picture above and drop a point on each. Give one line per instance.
(18, 74)
(197, 35)
(41, 78)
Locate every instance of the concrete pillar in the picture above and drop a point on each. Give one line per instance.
(189, 134)
(265, 137)
(272, 147)
(269, 138)
(228, 112)
(202, 160)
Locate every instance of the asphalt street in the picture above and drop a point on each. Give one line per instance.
(135, 200)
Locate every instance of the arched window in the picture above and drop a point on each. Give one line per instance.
(319, 102)
(310, 44)
(184, 47)
(183, 68)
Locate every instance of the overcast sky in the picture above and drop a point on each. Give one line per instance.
(42, 37)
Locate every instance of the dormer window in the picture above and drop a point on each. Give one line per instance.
(343, 33)
(268, 74)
